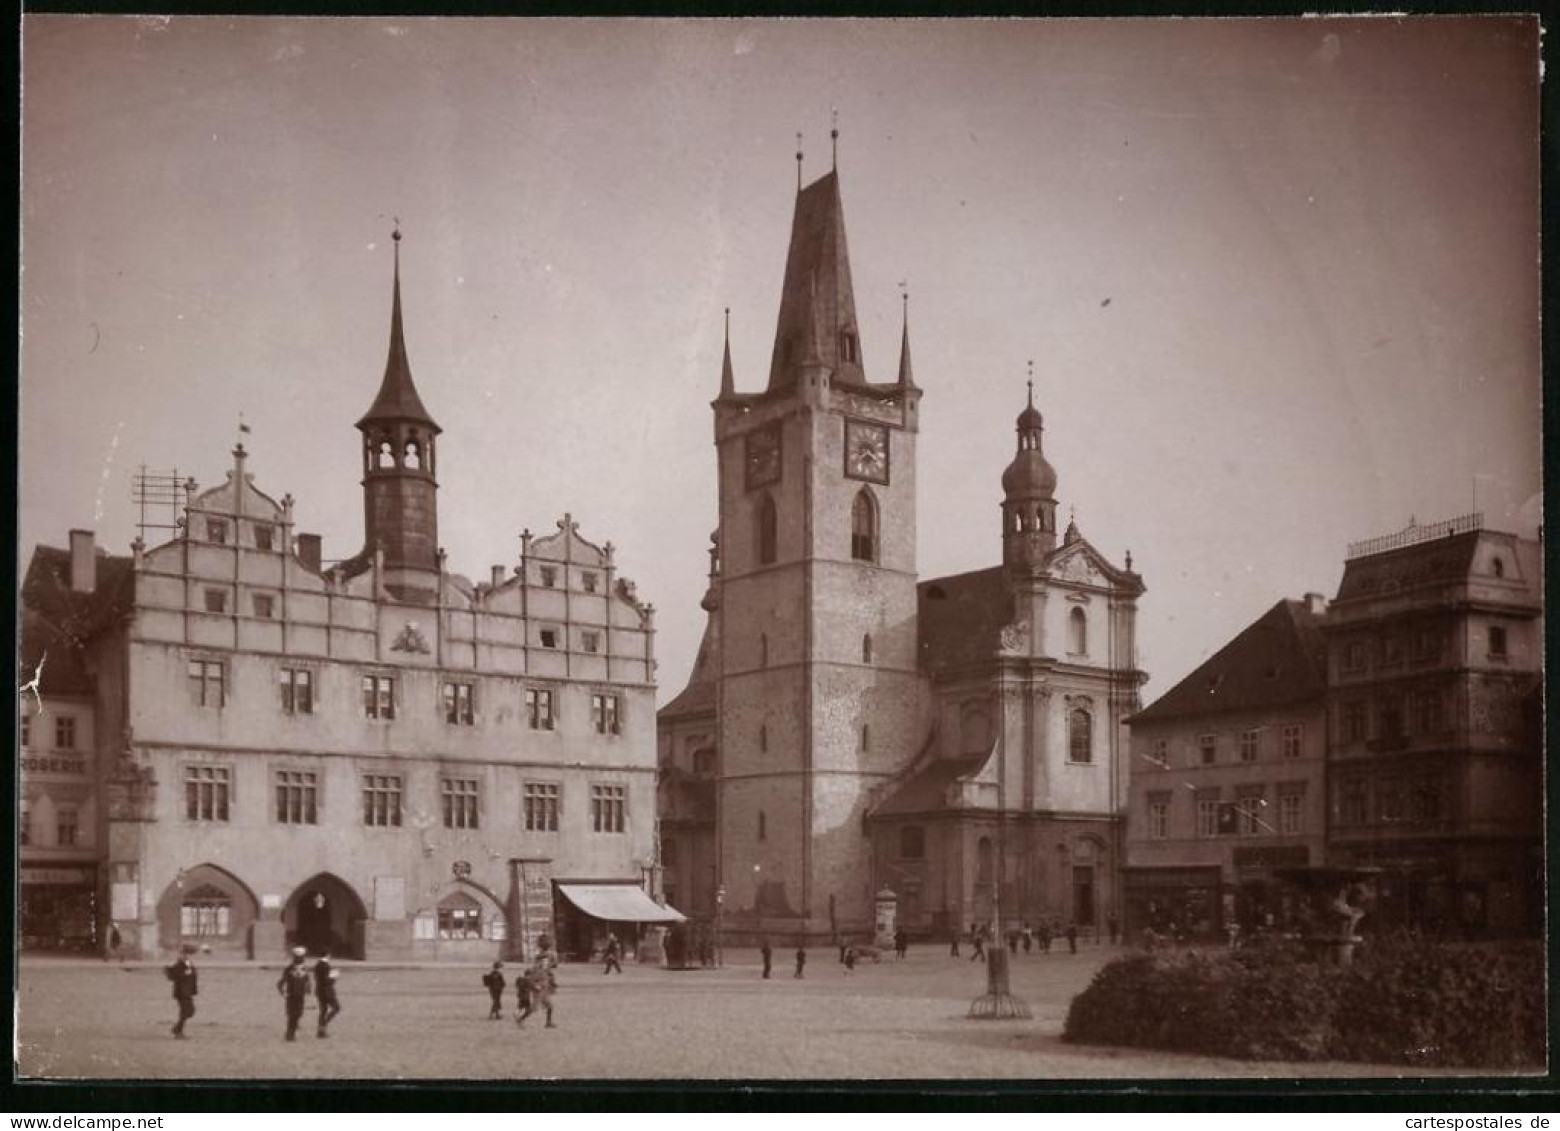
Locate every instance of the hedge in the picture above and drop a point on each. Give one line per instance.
(1403, 1001)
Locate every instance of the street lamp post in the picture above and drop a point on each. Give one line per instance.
(720, 942)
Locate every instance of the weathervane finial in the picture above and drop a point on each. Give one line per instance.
(798, 160)
(834, 137)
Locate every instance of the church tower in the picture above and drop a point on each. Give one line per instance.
(400, 505)
(1028, 498)
(818, 686)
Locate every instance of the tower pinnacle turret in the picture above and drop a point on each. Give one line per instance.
(1029, 494)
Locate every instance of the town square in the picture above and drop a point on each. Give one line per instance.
(742, 549)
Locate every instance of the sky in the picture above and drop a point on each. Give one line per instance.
(1278, 277)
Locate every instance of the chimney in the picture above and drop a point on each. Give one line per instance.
(498, 576)
(309, 551)
(1315, 604)
(83, 561)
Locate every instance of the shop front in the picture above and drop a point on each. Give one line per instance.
(58, 908)
(585, 914)
(1178, 903)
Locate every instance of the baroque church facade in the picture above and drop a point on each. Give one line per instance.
(850, 727)
(377, 758)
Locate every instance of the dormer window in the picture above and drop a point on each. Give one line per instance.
(549, 576)
(588, 581)
(217, 531)
(1499, 567)
(264, 536)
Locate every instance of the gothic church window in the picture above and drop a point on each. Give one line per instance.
(1078, 632)
(768, 531)
(864, 528)
(1080, 736)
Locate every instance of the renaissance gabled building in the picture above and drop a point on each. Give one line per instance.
(375, 759)
(851, 727)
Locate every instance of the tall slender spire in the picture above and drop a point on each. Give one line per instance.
(728, 384)
(817, 304)
(906, 380)
(397, 399)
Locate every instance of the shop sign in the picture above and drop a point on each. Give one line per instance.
(49, 764)
(56, 875)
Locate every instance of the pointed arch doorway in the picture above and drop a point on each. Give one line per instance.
(325, 916)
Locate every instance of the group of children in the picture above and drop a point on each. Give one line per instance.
(294, 986)
(534, 988)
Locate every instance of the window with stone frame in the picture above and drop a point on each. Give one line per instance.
(208, 683)
(1080, 736)
(1291, 810)
(207, 792)
(549, 637)
(549, 575)
(608, 808)
(297, 797)
(1159, 815)
(264, 605)
(216, 600)
(264, 536)
(541, 804)
(297, 690)
(588, 581)
(64, 732)
(459, 796)
(459, 697)
(590, 641)
(217, 531)
(1250, 801)
(1207, 748)
(1497, 642)
(539, 708)
(1248, 745)
(864, 527)
(1208, 813)
(379, 696)
(1291, 736)
(605, 709)
(1353, 802)
(67, 826)
(382, 800)
(1078, 632)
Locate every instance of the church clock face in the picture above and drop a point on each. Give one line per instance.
(866, 451)
(762, 457)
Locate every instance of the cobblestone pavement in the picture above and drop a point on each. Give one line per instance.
(887, 1020)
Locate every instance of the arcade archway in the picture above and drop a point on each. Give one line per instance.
(325, 916)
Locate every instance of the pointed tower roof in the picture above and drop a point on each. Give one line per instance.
(397, 399)
(817, 304)
(906, 379)
(728, 383)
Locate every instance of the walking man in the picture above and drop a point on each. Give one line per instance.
(978, 940)
(540, 982)
(901, 944)
(1029, 937)
(293, 985)
(181, 972)
(1115, 929)
(614, 955)
(325, 993)
(953, 943)
(494, 981)
(1072, 937)
(850, 960)
(766, 953)
(801, 960)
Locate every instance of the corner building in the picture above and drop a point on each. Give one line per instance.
(830, 689)
(378, 759)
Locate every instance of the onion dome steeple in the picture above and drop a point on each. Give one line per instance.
(1029, 494)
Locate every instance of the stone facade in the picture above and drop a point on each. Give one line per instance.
(381, 759)
(1228, 783)
(850, 701)
(1435, 651)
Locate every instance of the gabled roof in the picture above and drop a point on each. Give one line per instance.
(816, 299)
(397, 399)
(961, 617)
(1279, 660)
(62, 622)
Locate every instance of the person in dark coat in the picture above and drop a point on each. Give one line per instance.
(186, 984)
(901, 943)
(293, 985)
(540, 982)
(614, 955)
(850, 959)
(1072, 937)
(766, 953)
(1028, 937)
(978, 941)
(494, 981)
(953, 943)
(1114, 924)
(1012, 940)
(325, 993)
(801, 960)
(1043, 936)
